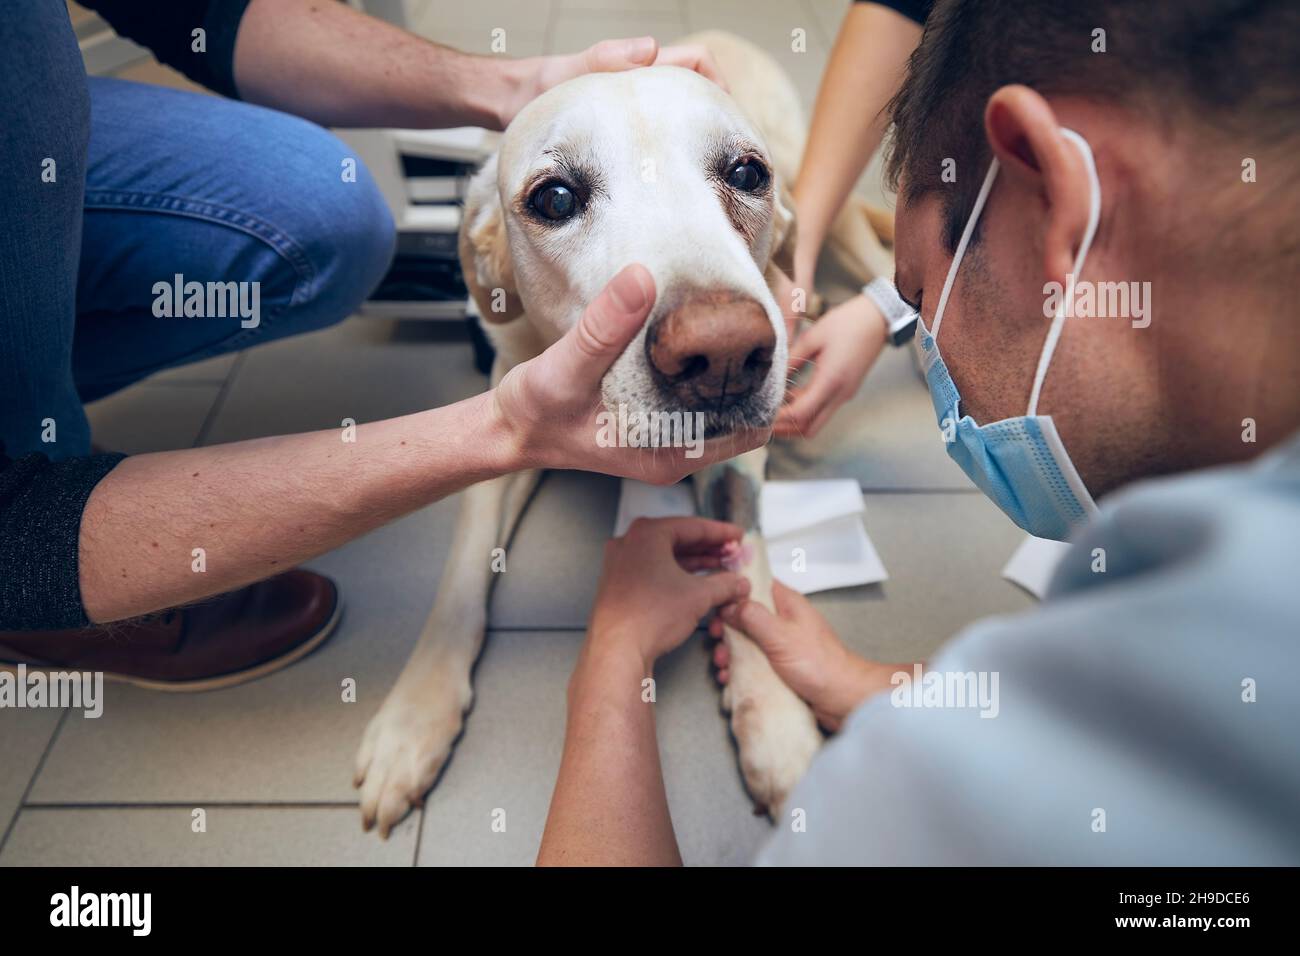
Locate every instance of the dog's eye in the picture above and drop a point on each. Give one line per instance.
(746, 175)
(554, 202)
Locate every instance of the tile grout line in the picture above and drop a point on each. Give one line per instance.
(419, 838)
(36, 772)
(219, 402)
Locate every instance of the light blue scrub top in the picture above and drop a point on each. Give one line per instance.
(1125, 732)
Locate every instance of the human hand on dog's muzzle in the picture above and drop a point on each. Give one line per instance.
(550, 405)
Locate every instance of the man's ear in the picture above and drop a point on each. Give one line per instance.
(485, 249)
(1026, 137)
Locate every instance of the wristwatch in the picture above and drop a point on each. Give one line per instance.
(900, 318)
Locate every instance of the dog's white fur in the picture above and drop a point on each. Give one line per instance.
(645, 133)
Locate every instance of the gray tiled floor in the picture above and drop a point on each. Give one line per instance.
(271, 762)
(235, 836)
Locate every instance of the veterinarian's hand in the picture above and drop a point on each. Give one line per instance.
(804, 651)
(841, 347)
(549, 404)
(608, 56)
(650, 599)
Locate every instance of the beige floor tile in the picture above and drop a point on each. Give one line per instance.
(364, 369)
(24, 737)
(673, 7)
(211, 371)
(553, 562)
(771, 25)
(430, 18)
(482, 41)
(146, 418)
(827, 14)
(575, 30)
(235, 836)
(505, 764)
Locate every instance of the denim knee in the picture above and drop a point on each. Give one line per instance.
(347, 230)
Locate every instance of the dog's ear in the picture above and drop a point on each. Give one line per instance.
(485, 250)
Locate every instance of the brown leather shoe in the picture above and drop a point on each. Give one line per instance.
(220, 642)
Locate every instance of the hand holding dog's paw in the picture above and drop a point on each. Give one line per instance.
(805, 652)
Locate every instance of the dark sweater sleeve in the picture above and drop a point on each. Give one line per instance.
(40, 528)
(916, 10)
(167, 30)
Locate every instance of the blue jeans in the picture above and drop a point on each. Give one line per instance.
(148, 184)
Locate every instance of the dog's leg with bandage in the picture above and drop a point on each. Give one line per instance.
(776, 732)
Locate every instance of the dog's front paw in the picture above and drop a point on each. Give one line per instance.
(776, 738)
(405, 747)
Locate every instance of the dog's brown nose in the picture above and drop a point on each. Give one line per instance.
(714, 348)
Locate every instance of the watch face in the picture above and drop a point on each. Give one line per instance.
(903, 331)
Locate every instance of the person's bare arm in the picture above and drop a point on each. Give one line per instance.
(609, 807)
(331, 64)
(258, 507)
(864, 71)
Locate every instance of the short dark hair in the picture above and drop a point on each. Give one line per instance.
(1234, 64)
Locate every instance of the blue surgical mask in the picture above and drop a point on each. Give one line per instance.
(1018, 462)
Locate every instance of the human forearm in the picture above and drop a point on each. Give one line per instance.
(864, 70)
(854, 681)
(338, 67)
(256, 508)
(609, 805)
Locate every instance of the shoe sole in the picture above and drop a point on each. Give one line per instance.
(211, 683)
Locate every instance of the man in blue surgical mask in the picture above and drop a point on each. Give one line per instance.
(1147, 715)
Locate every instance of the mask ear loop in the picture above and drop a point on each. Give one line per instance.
(957, 256)
(1058, 321)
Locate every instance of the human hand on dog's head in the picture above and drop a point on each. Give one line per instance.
(538, 74)
(550, 405)
(650, 599)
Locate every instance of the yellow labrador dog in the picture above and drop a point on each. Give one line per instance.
(662, 167)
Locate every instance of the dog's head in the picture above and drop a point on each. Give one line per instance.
(656, 166)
